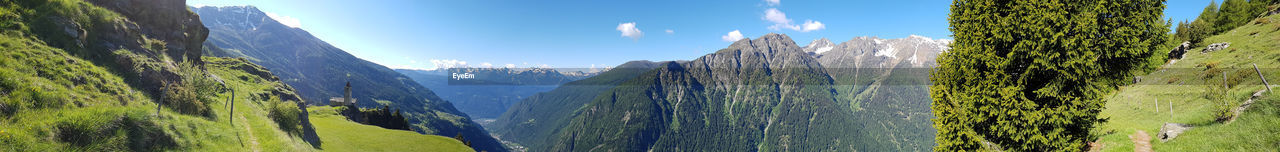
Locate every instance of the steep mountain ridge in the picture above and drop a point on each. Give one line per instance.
(749, 96)
(535, 119)
(885, 82)
(319, 71)
(762, 94)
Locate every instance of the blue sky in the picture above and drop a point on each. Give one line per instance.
(424, 34)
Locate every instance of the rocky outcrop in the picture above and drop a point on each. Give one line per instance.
(819, 46)
(1171, 130)
(1216, 47)
(1179, 51)
(164, 20)
(155, 36)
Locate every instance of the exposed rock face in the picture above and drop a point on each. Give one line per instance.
(1179, 51)
(157, 34)
(819, 46)
(872, 52)
(1216, 47)
(885, 82)
(1171, 130)
(165, 20)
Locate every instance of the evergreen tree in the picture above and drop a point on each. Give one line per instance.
(1182, 32)
(1031, 75)
(1232, 14)
(1210, 13)
(1200, 28)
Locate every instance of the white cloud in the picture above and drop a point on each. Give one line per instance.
(445, 64)
(810, 25)
(776, 16)
(669, 31)
(286, 20)
(773, 2)
(735, 35)
(780, 21)
(486, 65)
(511, 65)
(629, 30)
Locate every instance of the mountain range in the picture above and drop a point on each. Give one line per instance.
(764, 94)
(319, 71)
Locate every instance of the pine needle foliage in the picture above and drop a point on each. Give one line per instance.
(1031, 75)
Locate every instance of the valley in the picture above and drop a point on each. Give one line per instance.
(202, 75)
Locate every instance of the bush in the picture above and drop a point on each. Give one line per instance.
(184, 100)
(195, 78)
(194, 94)
(1032, 75)
(285, 114)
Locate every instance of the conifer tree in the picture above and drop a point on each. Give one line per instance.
(1232, 14)
(1031, 75)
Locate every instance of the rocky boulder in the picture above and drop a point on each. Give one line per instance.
(1179, 51)
(1171, 130)
(1216, 47)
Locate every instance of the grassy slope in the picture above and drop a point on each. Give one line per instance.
(58, 101)
(1133, 108)
(54, 100)
(338, 134)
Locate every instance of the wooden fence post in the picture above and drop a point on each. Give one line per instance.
(1264, 79)
(232, 114)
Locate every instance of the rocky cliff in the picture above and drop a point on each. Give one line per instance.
(147, 40)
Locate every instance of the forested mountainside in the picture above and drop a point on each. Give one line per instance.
(533, 120)
(319, 71)
(753, 95)
(763, 94)
(492, 91)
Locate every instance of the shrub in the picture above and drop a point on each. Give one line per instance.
(285, 114)
(202, 84)
(184, 100)
(1032, 75)
(194, 94)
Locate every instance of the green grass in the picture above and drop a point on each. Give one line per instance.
(55, 101)
(1133, 107)
(338, 134)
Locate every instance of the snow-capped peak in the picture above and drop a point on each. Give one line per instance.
(819, 46)
(888, 50)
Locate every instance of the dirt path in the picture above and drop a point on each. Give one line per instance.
(1141, 141)
(253, 141)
